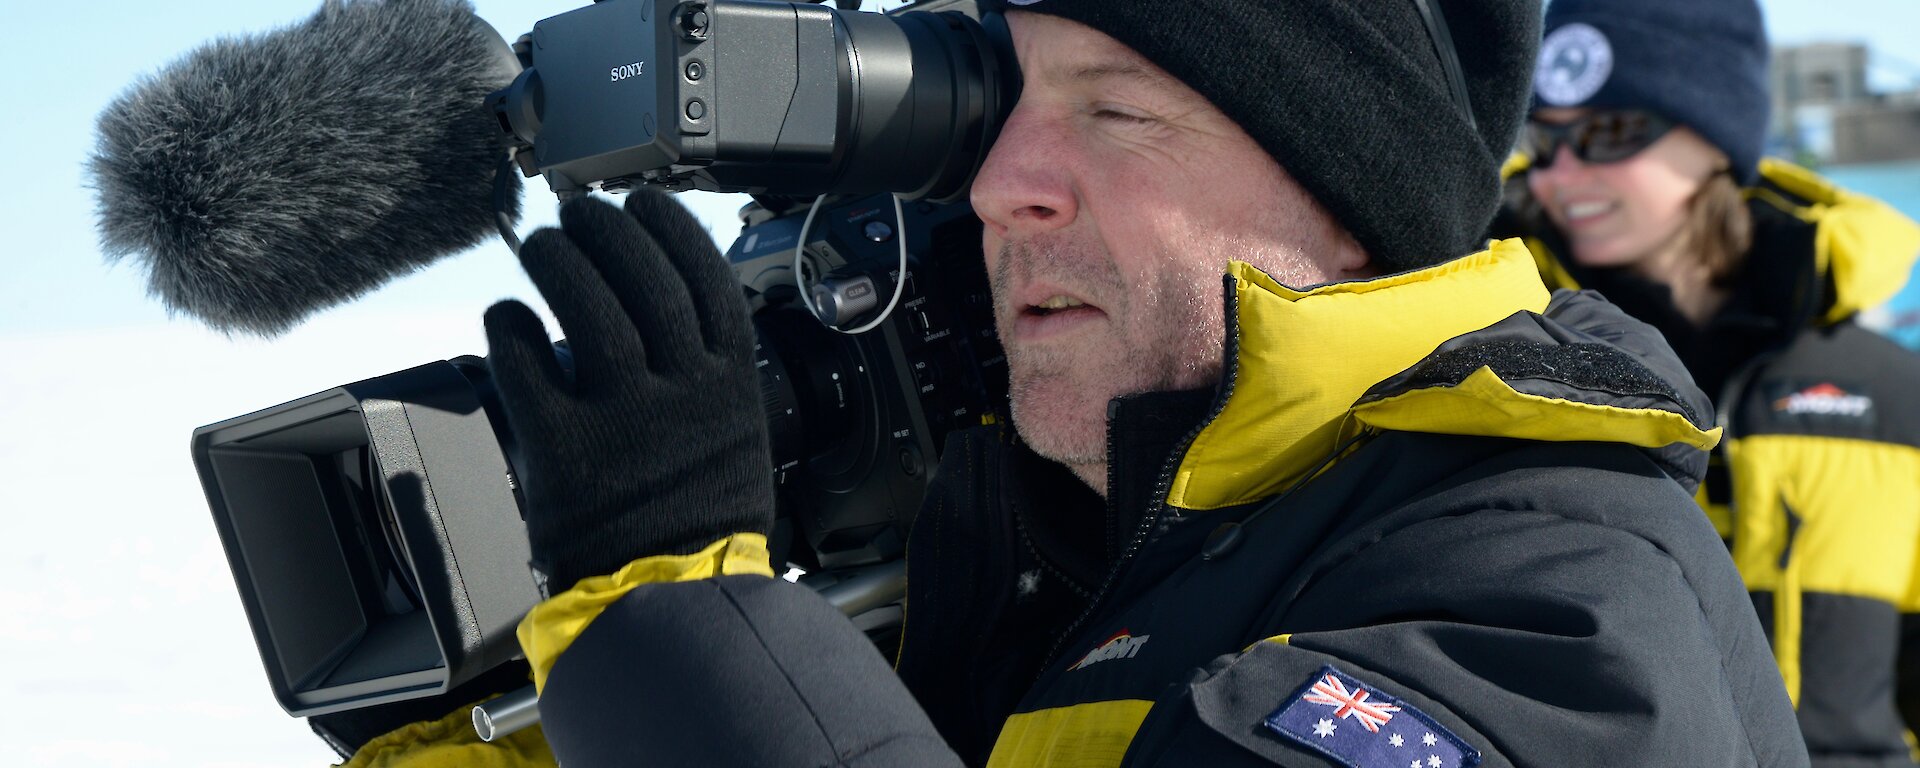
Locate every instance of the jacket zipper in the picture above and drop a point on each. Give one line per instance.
(1151, 518)
(1148, 522)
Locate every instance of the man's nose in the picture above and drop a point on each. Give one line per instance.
(1026, 185)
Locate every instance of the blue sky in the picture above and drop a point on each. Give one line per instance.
(1886, 25)
(125, 641)
(55, 278)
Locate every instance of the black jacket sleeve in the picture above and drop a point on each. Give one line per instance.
(734, 670)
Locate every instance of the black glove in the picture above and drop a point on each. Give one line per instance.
(656, 444)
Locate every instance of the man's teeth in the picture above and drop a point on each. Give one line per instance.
(1060, 302)
(1587, 210)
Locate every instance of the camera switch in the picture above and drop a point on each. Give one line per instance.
(926, 376)
(693, 22)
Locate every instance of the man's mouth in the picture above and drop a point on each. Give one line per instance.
(1056, 314)
(1057, 303)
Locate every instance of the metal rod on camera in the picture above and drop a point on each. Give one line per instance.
(499, 717)
(869, 589)
(857, 594)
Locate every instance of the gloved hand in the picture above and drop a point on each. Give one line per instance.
(656, 444)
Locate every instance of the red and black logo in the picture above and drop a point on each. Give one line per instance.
(1824, 399)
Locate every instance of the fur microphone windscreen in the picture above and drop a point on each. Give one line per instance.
(261, 179)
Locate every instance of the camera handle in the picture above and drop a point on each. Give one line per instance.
(503, 192)
(507, 714)
(806, 293)
(865, 590)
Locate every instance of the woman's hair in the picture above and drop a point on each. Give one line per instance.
(1719, 227)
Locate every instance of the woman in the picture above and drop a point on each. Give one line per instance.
(1641, 178)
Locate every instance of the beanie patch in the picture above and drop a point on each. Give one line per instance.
(1575, 62)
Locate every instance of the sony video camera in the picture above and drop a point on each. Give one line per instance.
(375, 530)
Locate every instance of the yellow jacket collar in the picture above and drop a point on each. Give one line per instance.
(1865, 247)
(1300, 359)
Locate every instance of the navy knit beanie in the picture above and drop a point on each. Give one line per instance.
(1350, 98)
(1700, 63)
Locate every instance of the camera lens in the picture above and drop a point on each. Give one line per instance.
(931, 92)
(391, 573)
(815, 392)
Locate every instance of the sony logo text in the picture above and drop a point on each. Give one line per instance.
(625, 71)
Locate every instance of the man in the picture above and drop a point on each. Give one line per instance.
(1371, 504)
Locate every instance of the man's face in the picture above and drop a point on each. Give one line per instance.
(1113, 200)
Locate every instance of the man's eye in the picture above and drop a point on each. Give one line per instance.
(1123, 117)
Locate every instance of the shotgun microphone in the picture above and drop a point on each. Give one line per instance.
(260, 179)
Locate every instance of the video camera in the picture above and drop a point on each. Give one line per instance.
(375, 530)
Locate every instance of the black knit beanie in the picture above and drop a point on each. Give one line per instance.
(1700, 63)
(1350, 98)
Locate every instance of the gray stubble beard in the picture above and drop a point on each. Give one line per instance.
(1174, 325)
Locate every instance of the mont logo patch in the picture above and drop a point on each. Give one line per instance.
(1123, 645)
(1360, 727)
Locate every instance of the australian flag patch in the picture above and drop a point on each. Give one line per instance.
(1360, 727)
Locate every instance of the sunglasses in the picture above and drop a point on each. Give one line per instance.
(1607, 136)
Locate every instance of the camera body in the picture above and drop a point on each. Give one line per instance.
(750, 96)
(856, 422)
(375, 530)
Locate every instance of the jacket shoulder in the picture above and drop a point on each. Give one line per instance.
(1542, 603)
(1594, 486)
(1592, 583)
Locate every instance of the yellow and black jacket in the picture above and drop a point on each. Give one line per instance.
(1440, 518)
(1816, 484)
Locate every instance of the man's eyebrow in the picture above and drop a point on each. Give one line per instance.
(1123, 70)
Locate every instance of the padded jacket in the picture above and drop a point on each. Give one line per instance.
(1816, 484)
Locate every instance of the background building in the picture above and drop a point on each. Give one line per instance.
(1826, 112)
